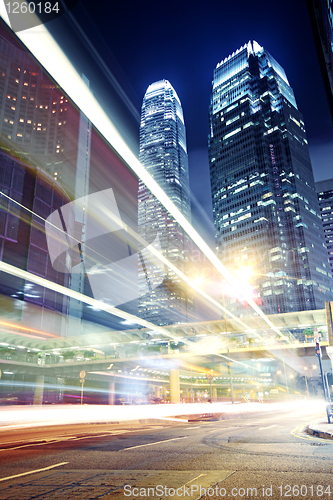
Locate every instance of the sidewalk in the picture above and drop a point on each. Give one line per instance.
(320, 428)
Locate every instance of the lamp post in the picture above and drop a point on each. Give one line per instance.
(82, 377)
(319, 355)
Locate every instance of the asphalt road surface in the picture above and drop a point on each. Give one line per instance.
(264, 456)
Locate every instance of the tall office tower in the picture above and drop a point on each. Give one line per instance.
(163, 153)
(325, 197)
(266, 211)
(321, 16)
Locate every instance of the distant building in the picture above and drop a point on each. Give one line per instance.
(325, 197)
(266, 211)
(163, 153)
(321, 16)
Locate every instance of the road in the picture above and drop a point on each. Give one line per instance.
(262, 456)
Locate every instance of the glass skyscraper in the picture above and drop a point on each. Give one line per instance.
(163, 153)
(325, 197)
(266, 212)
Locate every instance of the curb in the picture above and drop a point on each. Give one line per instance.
(313, 429)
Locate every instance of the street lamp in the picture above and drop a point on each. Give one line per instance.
(319, 355)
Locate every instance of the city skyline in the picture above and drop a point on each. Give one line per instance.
(191, 53)
(190, 59)
(272, 198)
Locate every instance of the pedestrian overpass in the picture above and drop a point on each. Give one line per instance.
(189, 359)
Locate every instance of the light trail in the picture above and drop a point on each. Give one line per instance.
(15, 271)
(153, 250)
(26, 329)
(41, 44)
(33, 278)
(32, 416)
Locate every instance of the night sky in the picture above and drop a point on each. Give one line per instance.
(142, 42)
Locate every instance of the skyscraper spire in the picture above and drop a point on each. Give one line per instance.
(163, 153)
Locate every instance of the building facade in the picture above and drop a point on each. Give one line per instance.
(41, 127)
(266, 212)
(36, 119)
(163, 153)
(325, 198)
(27, 196)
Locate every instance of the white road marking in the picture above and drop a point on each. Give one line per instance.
(33, 471)
(269, 427)
(152, 444)
(196, 427)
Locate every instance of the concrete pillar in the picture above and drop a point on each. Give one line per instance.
(157, 391)
(39, 390)
(174, 386)
(111, 393)
(188, 395)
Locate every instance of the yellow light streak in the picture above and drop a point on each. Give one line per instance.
(26, 329)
